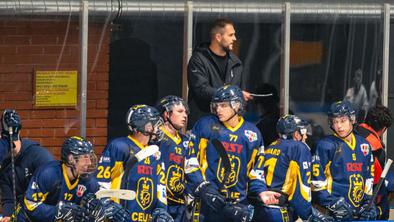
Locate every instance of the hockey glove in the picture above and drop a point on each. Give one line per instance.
(10, 119)
(367, 214)
(161, 215)
(341, 210)
(239, 212)
(69, 212)
(114, 212)
(318, 216)
(210, 196)
(94, 207)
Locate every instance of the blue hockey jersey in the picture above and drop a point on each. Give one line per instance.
(146, 178)
(48, 186)
(181, 166)
(287, 169)
(342, 169)
(242, 143)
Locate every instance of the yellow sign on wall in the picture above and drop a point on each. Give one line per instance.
(56, 88)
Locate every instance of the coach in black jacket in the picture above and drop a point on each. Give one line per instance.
(212, 66)
(29, 155)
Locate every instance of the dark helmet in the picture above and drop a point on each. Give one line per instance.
(76, 146)
(341, 108)
(167, 104)
(145, 119)
(229, 93)
(10, 118)
(288, 124)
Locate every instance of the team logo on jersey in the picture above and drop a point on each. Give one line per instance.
(80, 190)
(145, 190)
(175, 180)
(234, 173)
(252, 136)
(356, 189)
(365, 148)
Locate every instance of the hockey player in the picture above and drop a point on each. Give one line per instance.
(287, 169)
(341, 168)
(28, 156)
(146, 177)
(378, 119)
(181, 162)
(242, 142)
(57, 188)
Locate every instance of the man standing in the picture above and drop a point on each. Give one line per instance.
(28, 156)
(212, 66)
(376, 123)
(342, 178)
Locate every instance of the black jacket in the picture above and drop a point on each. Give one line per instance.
(31, 156)
(204, 78)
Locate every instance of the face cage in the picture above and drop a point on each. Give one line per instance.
(90, 169)
(169, 107)
(307, 129)
(352, 119)
(235, 105)
(156, 135)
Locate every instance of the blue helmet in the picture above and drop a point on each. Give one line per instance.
(167, 103)
(288, 124)
(341, 108)
(229, 93)
(76, 147)
(144, 119)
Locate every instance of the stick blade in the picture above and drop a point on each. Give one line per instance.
(119, 194)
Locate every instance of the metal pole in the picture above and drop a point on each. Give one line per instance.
(386, 54)
(187, 45)
(83, 31)
(285, 61)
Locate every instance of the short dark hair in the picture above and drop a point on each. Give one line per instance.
(218, 26)
(379, 117)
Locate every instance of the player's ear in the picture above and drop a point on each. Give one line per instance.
(71, 159)
(166, 116)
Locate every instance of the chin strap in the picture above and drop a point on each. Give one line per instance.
(235, 113)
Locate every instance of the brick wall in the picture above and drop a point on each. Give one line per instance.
(29, 45)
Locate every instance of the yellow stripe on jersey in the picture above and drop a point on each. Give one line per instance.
(177, 139)
(116, 175)
(136, 142)
(291, 179)
(68, 183)
(233, 129)
(352, 144)
(293, 176)
(328, 175)
(202, 155)
(32, 205)
(251, 162)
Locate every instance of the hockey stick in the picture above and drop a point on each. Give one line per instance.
(12, 149)
(261, 95)
(381, 180)
(225, 160)
(119, 194)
